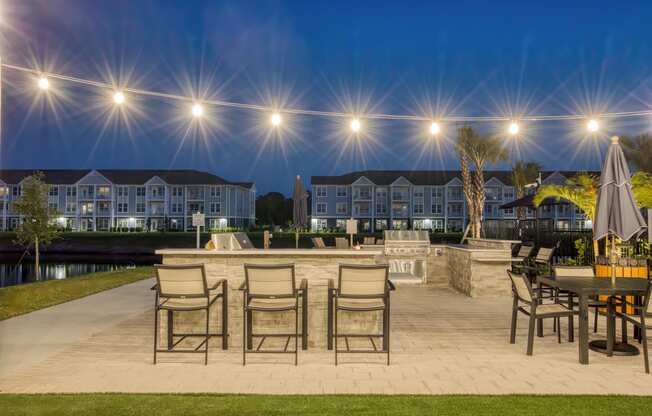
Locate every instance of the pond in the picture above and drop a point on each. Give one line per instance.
(16, 271)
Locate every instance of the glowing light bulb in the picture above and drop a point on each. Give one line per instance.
(118, 97)
(435, 128)
(355, 125)
(276, 119)
(197, 110)
(513, 128)
(43, 83)
(593, 126)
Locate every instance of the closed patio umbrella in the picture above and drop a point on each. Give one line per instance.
(616, 213)
(299, 208)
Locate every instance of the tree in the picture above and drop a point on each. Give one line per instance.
(476, 150)
(37, 226)
(582, 191)
(523, 174)
(273, 209)
(638, 151)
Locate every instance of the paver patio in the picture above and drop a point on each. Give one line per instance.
(442, 343)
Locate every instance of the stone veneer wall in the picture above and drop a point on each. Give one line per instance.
(317, 269)
(491, 244)
(478, 272)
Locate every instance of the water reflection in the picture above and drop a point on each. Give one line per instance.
(12, 274)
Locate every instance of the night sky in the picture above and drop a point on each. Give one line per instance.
(505, 58)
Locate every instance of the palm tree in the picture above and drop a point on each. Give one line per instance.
(478, 150)
(523, 174)
(638, 151)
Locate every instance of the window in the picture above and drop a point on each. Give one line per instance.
(123, 207)
(340, 224)
(177, 208)
(381, 208)
(508, 211)
(87, 191)
(418, 192)
(140, 192)
(177, 191)
(15, 190)
(455, 193)
(123, 192)
(437, 209)
(341, 208)
(400, 209)
(215, 207)
(103, 192)
(53, 206)
(87, 208)
(341, 191)
(321, 191)
(103, 224)
(104, 207)
(157, 191)
(508, 194)
(438, 225)
(455, 210)
(362, 192)
(321, 208)
(196, 192)
(215, 191)
(53, 191)
(400, 194)
(437, 192)
(319, 224)
(455, 226)
(493, 193)
(399, 224)
(381, 225)
(71, 207)
(418, 207)
(195, 207)
(140, 207)
(71, 191)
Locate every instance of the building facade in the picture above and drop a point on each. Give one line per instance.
(432, 200)
(104, 200)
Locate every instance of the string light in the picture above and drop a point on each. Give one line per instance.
(43, 83)
(119, 97)
(513, 128)
(197, 110)
(355, 125)
(593, 126)
(435, 129)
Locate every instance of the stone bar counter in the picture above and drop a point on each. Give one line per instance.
(317, 266)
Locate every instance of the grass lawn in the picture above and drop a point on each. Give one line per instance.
(187, 405)
(20, 299)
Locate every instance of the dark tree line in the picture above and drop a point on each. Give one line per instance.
(274, 208)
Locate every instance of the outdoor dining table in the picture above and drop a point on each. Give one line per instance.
(584, 288)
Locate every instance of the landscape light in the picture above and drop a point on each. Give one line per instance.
(435, 128)
(355, 125)
(276, 119)
(513, 128)
(197, 110)
(43, 83)
(118, 97)
(593, 125)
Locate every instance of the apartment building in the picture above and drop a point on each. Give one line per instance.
(103, 200)
(431, 200)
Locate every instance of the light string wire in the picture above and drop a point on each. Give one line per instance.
(297, 111)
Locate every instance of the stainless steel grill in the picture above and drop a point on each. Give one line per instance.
(407, 252)
(231, 241)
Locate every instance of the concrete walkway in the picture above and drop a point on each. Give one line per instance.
(443, 343)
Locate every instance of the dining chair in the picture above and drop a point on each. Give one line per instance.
(534, 308)
(184, 288)
(271, 288)
(638, 319)
(579, 272)
(360, 289)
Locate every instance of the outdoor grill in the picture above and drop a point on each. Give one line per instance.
(231, 241)
(406, 252)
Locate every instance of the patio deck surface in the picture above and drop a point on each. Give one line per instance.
(442, 343)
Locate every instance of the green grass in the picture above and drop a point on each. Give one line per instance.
(242, 405)
(21, 299)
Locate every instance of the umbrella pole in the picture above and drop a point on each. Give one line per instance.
(296, 238)
(613, 260)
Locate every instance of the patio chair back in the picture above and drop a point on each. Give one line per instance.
(574, 271)
(270, 280)
(181, 281)
(362, 281)
(544, 255)
(318, 242)
(521, 286)
(524, 251)
(341, 243)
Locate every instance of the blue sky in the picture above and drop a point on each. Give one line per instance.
(504, 58)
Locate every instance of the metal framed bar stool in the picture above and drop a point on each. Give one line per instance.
(361, 288)
(182, 288)
(272, 288)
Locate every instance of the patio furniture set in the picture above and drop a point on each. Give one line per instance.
(543, 291)
(271, 288)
